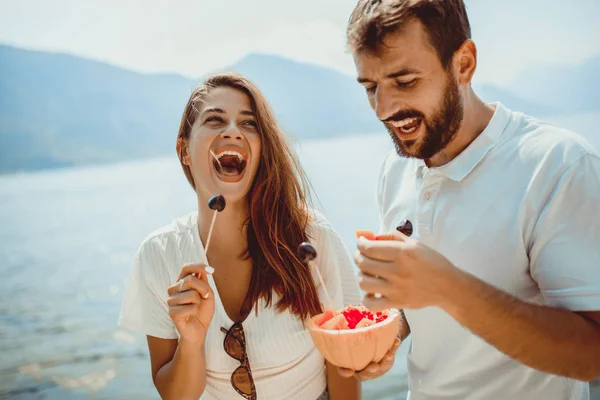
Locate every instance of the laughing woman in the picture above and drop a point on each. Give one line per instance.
(238, 332)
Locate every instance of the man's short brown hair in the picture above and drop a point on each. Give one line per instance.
(445, 22)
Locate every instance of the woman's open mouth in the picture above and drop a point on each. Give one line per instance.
(229, 163)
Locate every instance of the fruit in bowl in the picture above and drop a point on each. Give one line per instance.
(354, 337)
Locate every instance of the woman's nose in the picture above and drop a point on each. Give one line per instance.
(232, 132)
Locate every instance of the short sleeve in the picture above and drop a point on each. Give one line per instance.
(144, 306)
(565, 254)
(336, 267)
(380, 192)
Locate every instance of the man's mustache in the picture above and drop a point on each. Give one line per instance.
(400, 115)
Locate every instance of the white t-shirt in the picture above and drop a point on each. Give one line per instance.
(518, 209)
(284, 361)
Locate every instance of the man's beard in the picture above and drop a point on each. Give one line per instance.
(440, 129)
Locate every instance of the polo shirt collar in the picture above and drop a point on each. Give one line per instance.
(469, 158)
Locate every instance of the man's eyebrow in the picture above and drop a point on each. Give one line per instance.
(403, 72)
(397, 74)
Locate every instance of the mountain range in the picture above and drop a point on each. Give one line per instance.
(60, 110)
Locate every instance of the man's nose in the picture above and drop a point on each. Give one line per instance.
(384, 103)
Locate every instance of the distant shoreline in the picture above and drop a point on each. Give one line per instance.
(163, 156)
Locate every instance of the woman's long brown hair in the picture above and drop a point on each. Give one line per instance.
(278, 204)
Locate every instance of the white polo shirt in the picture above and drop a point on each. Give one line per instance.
(519, 209)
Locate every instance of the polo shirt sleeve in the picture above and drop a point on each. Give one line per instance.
(565, 254)
(144, 307)
(381, 228)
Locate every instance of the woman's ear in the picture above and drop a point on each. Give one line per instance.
(183, 152)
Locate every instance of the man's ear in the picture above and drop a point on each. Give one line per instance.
(465, 62)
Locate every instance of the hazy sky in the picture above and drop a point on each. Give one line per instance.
(192, 37)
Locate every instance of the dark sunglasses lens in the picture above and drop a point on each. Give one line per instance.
(242, 381)
(234, 347)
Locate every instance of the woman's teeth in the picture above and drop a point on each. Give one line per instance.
(230, 153)
(230, 163)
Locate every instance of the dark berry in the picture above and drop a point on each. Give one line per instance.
(306, 252)
(405, 227)
(217, 202)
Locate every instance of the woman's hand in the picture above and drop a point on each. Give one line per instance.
(192, 302)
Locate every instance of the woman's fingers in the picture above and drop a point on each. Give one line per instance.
(190, 282)
(184, 312)
(198, 269)
(184, 298)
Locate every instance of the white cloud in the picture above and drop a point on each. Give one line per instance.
(195, 36)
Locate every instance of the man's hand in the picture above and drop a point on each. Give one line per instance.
(374, 370)
(406, 273)
(409, 275)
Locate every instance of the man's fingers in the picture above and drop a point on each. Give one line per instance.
(374, 370)
(386, 362)
(372, 284)
(395, 235)
(359, 375)
(377, 304)
(373, 267)
(391, 353)
(371, 371)
(345, 372)
(382, 250)
(365, 233)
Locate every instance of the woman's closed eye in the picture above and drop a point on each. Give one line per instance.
(250, 123)
(214, 120)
